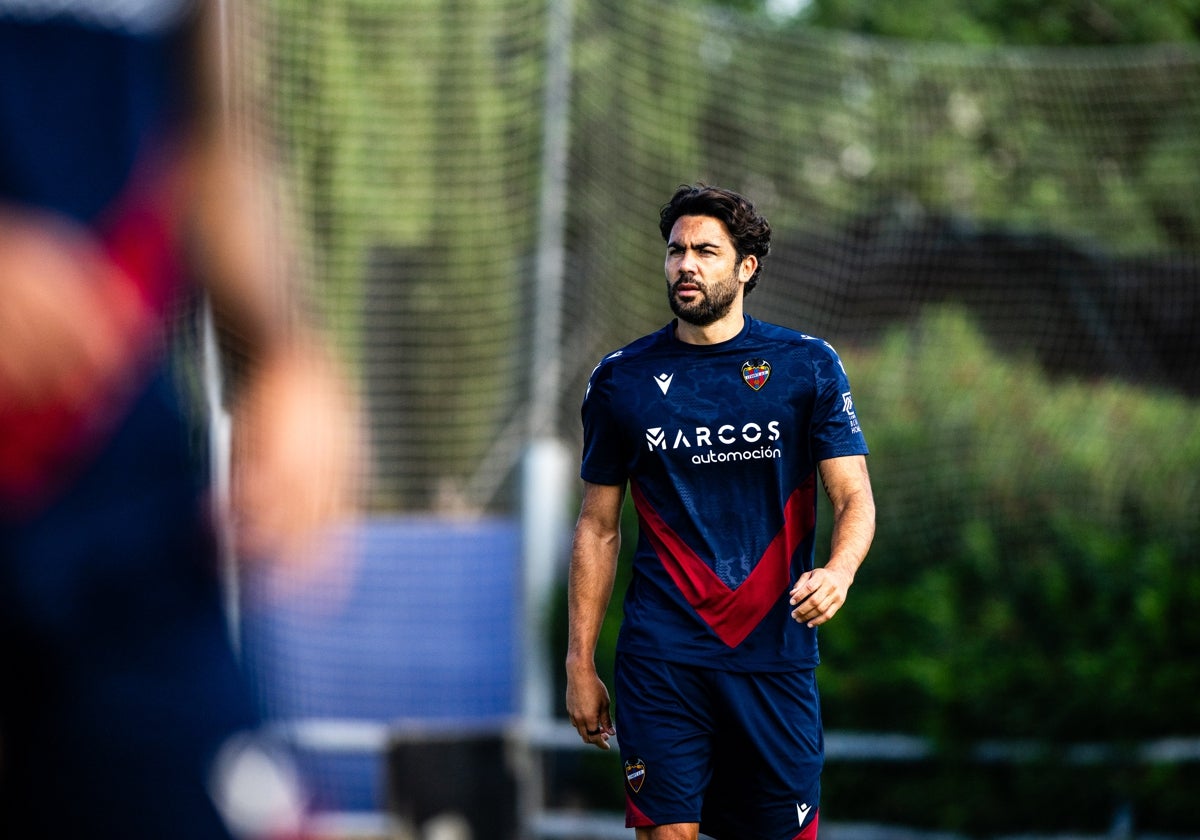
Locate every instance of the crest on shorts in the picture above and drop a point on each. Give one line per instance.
(756, 372)
(635, 773)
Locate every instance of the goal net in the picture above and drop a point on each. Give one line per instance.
(1050, 193)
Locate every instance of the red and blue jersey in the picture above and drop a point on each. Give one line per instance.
(94, 98)
(720, 445)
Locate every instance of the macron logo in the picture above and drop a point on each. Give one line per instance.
(802, 812)
(663, 380)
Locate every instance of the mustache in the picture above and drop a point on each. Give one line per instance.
(690, 280)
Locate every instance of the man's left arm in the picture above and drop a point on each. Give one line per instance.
(820, 593)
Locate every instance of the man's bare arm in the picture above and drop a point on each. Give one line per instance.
(819, 594)
(594, 553)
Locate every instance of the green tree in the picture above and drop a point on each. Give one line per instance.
(1013, 22)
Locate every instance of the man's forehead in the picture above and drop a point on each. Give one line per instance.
(696, 230)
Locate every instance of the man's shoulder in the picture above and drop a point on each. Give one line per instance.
(779, 331)
(636, 350)
(625, 362)
(789, 336)
(138, 19)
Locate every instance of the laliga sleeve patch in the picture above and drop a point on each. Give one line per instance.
(635, 773)
(756, 372)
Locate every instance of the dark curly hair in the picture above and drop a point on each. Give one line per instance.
(750, 232)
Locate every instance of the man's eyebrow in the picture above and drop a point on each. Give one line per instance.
(676, 244)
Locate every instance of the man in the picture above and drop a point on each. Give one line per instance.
(719, 424)
(121, 697)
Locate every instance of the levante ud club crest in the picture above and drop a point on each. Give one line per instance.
(756, 372)
(635, 773)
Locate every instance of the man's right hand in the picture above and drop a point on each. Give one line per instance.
(588, 707)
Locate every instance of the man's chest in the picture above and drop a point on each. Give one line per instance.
(725, 408)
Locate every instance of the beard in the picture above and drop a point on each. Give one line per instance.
(711, 305)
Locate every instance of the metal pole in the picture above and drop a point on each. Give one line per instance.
(219, 423)
(544, 478)
(544, 471)
(552, 209)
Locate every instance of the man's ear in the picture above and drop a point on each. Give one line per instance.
(747, 268)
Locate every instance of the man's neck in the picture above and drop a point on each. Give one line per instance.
(714, 333)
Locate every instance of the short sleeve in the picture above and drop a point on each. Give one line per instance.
(836, 431)
(605, 448)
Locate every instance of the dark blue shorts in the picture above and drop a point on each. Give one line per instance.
(119, 683)
(739, 753)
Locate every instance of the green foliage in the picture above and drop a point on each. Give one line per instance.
(1028, 22)
(1035, 573)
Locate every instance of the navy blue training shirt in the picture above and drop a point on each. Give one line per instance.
(720, 445)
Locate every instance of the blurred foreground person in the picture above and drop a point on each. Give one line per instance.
(122, 703)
